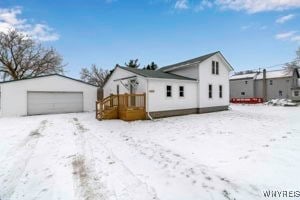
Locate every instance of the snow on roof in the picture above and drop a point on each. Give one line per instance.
(259, 75)
(276, 74)
(243, 76)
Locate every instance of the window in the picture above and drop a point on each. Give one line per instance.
(243, 93)
(210, 91)
(169, 91)
(246, 82)
(280, 93)
(296, 93)
(271, 82)
(220, 91)
(215, 67)
(181, 91)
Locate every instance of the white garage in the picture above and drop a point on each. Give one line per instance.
(50, 94)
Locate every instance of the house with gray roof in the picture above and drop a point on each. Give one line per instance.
(196, 85)
(276, 84)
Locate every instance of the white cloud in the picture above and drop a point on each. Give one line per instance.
(204, 4)
(9, 19)
(254, 26)
(289, 36)
(254, 6)
(44, 33)
(264, 27)
(296, 38)
(285, 18)
(285, 35)
(250, 6)
(246, 27)
(181, 4)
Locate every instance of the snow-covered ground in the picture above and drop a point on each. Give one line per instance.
(234, 154)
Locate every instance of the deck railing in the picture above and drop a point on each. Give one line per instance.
(132, 101)
(119, 106)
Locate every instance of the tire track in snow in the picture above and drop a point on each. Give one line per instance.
(177, 166)
(86, 177)
(21, 156)
(122, 181)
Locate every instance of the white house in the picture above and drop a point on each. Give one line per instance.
(198, 85)
(46, 95)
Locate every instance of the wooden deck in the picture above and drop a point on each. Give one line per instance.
(128, 107)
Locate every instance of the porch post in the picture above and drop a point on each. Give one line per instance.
(126, 100)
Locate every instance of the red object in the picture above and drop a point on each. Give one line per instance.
(247, 100)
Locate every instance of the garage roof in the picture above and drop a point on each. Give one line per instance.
(48, 76)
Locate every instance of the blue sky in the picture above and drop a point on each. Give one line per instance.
(251, 34)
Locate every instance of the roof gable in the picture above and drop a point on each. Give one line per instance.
(193, 61)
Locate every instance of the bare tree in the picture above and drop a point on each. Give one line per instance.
(298, 58)
(294, 64)
(22, 57)
(94, 75)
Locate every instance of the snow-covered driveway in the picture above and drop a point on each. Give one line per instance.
(234, 154)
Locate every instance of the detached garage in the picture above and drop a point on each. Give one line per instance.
(49, 94)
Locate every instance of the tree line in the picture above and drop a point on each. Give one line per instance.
(22, 57)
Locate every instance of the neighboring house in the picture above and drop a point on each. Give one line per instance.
(296, 91)
(194, 86)
(46, 95)
(277, 84)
